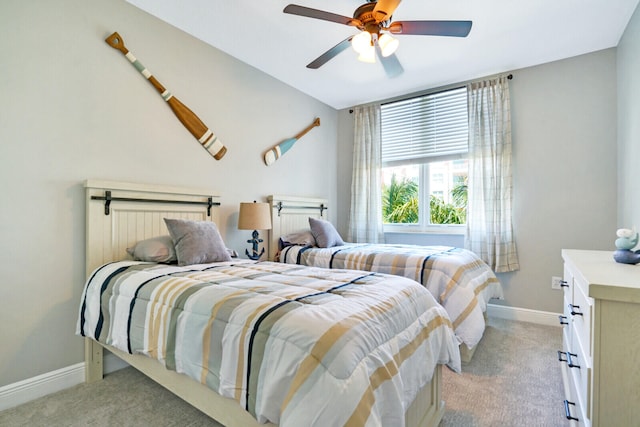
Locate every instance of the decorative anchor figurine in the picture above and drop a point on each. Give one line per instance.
(254, 255)
(626, 241)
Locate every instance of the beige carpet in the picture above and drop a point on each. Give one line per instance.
(513, 380)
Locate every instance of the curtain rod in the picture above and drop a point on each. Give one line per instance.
(427, 92)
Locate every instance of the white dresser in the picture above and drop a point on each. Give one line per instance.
(601, 339)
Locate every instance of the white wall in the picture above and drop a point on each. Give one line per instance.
(564, 165)
(628, 68)
(74, 108)
(564, 153)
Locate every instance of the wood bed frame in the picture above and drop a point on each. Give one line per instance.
(291, 213)
(120, 214)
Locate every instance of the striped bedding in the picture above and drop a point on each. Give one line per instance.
(458, 278)
(293, 345)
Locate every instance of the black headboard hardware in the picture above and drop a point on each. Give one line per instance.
(280, 206)
(108, 199)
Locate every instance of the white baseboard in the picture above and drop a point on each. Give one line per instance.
(523, 315)
(32, 388)
(27, 390)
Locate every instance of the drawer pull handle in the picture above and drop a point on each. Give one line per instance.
(570, 361)
(567, 358)
(564, 284)
(567, 410)
(573, 310)
(563, 320)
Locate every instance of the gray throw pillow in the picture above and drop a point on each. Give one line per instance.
(155, 249)
(325, 233)
(196, 242)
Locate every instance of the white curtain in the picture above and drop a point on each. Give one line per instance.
(489, 228)
(365, 216)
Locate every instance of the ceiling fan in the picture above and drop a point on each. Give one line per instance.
(373, 19)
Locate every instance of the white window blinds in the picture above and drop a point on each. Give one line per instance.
(418, 130)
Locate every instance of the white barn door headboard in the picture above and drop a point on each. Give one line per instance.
(119, 214)
(291, 213)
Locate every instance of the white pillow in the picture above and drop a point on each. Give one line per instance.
(155, 249)
(297, 238)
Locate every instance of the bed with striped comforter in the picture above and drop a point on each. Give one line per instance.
(293, 345)
(458, 278)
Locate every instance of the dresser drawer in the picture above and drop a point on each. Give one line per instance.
(579, 368)
(581, 312)
(577, 410)
(571, 410)
(566, 322)
(566, 337)
(567, 285)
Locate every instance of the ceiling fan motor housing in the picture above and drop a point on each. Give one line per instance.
(364, 13)
(367, 18)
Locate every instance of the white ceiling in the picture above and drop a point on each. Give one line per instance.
(506, 35)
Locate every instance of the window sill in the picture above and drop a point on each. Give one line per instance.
(445, 230)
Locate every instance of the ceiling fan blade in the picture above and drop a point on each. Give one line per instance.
(431, 28)
(390, 63)
(384, 9)
(294, 9)
(330, 54)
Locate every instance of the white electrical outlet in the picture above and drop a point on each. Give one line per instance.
(556, 282)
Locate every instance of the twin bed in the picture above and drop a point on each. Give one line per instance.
(255, 343)
(459, 280)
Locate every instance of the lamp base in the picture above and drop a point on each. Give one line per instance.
(254, 255)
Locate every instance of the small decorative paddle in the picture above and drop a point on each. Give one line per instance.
(278, 151)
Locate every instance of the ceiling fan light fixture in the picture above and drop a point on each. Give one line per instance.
(388, 44)
(368, 55)
(361, 42)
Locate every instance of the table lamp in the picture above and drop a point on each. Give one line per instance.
(254, 216)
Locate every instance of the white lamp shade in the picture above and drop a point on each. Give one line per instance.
(388, 44)
(368, 55)
(254, 216)
(361, 42)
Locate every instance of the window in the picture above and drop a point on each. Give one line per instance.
(425, 170)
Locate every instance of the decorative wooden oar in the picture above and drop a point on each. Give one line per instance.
(278, 151)
(199, 130)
